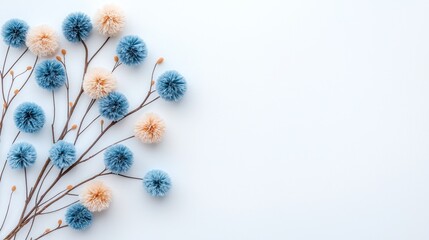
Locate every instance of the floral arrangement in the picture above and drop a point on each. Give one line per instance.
(98, 88)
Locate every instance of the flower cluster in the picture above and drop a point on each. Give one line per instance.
(98, 89)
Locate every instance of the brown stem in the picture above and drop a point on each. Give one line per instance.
(7, 211)
(53, 120)
(49, 232)
(91, 103)
(16, 61)
(59, 209)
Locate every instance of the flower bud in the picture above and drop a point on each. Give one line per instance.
(160, 60)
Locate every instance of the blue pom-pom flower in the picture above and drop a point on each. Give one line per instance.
(21, 155)
(118, 159)
(50, 75)
(78, 217)
(62, 154)
(171, 86)
(157, 183)
(114, 106)
(14, 33)
(29, 117)
(77, 27)
(131, 50)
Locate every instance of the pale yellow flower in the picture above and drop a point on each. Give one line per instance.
(96, 197)
(109, 20)
(42, 41)
(98, 83)
(150, 129)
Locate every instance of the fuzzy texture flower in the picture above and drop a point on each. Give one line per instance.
(171, 86)
(21, 155)
(50, 75)
(77, 27)
(96, 197)
(14, 33)
(150, 129)
(114, 106)
(29, 117)
(131, 50)
(110, 20)
(78, 217)
(62, 154)
(157, 183)
(118, 159)
(98, 83)
(42, 41)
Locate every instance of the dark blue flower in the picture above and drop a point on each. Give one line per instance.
(62, 154)
(77, 27)
(78, 217)
(114, 106)
(171, 86)
(157, 183)
(21, 155)
(50, 74)
(29, 117)
(14, 33)
(131, 50)
(118, 159)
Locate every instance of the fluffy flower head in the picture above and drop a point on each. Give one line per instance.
(98, 83)
(150, 129)
(157, 183)
(114, 106)
(78, 217)
(109, 20)
(171, 86)
(21, 155)
(62, 154)
(96, 197)
(50, 75)
(118, 159)
(131, 50)
(29, 117)
(42, 41)
(14, 33)
(77, 27)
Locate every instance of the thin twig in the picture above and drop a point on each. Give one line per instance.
(59, 209)
(7, 211)
(95, 154)
(55, 229)
(53, 120)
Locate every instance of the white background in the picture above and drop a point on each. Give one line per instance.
(303, 120)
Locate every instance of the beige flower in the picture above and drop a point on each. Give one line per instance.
(150, 129)
(42, 41)
(110, 20)
(98, 83)
(96, 197)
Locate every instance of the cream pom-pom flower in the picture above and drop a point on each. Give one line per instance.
(98, 83)
(42, 41)
(150, 129)
(96, 196)
(110, 20)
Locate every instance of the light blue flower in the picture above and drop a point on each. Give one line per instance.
(14, 33)
(171, 86)
(131, 50)
(62, 154)
(118, 159)
(21, 155)
(78, 217)
(50, 75)
(114, 106)
(157, 183)
(29, 117)
(77, 27)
